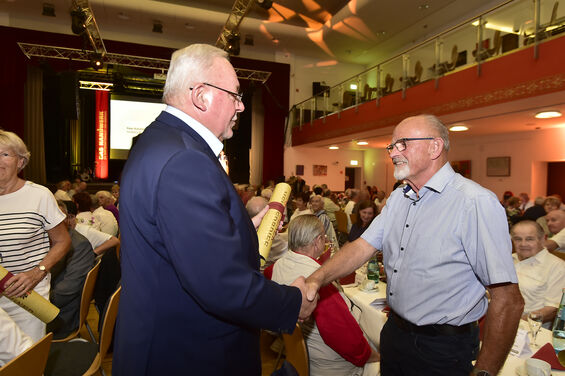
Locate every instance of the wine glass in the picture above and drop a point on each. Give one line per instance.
(535, 319)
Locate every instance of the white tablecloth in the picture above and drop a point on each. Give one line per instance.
(373, 319)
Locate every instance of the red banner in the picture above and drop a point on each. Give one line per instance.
(101, 157)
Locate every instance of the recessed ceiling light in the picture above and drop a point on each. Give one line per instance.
(353, 86)
(334, 147)
(123, 16)
(423, 6)
(362, 143)
(459, 128)
(548, 114)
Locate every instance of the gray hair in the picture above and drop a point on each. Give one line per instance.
(106, 195)
(436, 125)
(539, 229)
(190, 65)
(13, 142)
(302, 230)
(255, 205)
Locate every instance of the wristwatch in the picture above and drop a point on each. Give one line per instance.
(481, 372)
(42, 268)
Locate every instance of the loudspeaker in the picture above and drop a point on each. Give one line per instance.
(68, 94)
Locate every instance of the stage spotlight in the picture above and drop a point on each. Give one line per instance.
(233, 44)
(265, 4)
(78, 19)
(96, 61)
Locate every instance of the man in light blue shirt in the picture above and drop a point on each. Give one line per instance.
(444, 239)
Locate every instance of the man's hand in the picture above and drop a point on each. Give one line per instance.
(259, 217)
(21, 283)
(308, 305)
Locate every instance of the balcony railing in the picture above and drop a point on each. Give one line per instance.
(508, 27)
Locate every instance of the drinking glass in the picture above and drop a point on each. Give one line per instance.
(535, 319)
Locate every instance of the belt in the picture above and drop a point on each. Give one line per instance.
(433, 330)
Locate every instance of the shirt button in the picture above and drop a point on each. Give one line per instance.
(402, 248)
(395, 270)
(407, 225)
(390, 293)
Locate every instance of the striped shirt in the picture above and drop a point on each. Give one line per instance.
(25, 217)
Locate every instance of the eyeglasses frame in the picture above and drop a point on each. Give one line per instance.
(402, 141)
(237, 96)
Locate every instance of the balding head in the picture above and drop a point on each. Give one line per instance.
(255, 205)
(555, 220)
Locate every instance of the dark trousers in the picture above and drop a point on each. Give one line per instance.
(404, 353)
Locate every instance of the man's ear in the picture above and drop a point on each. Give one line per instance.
(200, 98)
(436, 148)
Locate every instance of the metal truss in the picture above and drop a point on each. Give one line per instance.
(91, 27)
(162, 65)
(107, 86)
(238, 11)
(65, 53)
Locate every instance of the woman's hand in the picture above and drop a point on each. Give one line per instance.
(22, 283)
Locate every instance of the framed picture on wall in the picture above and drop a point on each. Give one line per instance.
(299, 170)
(320, 170)
(498, 166)
(462, 167)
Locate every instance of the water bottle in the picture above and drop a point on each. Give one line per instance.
(559, 326)
(373, 269)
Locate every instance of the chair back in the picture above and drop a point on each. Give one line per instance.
(31, 362)
(85, 299)
(418, 70)
(353, 218)
(341, 219)
(296, 351)
(107, 332)
(559, 254)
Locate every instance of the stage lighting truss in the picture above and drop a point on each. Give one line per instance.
(94, 85)
(91, 28)
(231, 27)
(161, 65)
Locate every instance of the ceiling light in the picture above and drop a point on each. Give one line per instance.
(353, 86)
(353, 162)
(265, 4)
(123, 16)
(423, 6)
(189, 26)
(548, 114)
(458, 128)
(489, 25)
(361, 143)
(333, 147)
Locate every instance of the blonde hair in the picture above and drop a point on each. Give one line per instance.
(13, 142)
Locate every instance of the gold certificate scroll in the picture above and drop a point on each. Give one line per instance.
(32, 302)
(270, 223)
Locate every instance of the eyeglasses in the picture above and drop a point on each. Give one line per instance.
(400, 144)
(237, 96)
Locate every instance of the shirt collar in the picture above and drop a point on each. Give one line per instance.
(215, 144)
(537, 258)
(436, 183)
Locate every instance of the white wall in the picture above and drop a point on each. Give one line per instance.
(336, 160)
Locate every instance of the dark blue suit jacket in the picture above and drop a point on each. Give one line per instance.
(193, 298)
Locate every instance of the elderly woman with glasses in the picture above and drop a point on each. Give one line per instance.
(336, 345)
(33, 236)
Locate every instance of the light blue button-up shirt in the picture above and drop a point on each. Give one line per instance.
(440, 249)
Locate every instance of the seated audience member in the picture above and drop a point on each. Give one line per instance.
(330, 207)
(13, 341)
(78, 186)
(513, 212)
(107, 202)
(536, 210)
(267, 193)
(84, 215)
(541, 275)
(108, 223)
(550, 203)
(353, 197)
(301, 203)
(116, 194)
(280, 245)
(100, 241)
(63, 188)
(365, 215)
(336, 345)
(317, 207)
(556, 224)
(525, 202)
(67, 279)
(505, 197)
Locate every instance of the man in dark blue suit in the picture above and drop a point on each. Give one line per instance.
(193, 299)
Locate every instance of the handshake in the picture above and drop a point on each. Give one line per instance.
(309, 289)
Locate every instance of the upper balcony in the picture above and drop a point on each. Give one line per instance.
(512, 52)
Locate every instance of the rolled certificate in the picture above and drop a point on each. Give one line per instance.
(270, 223)
(32, 302)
